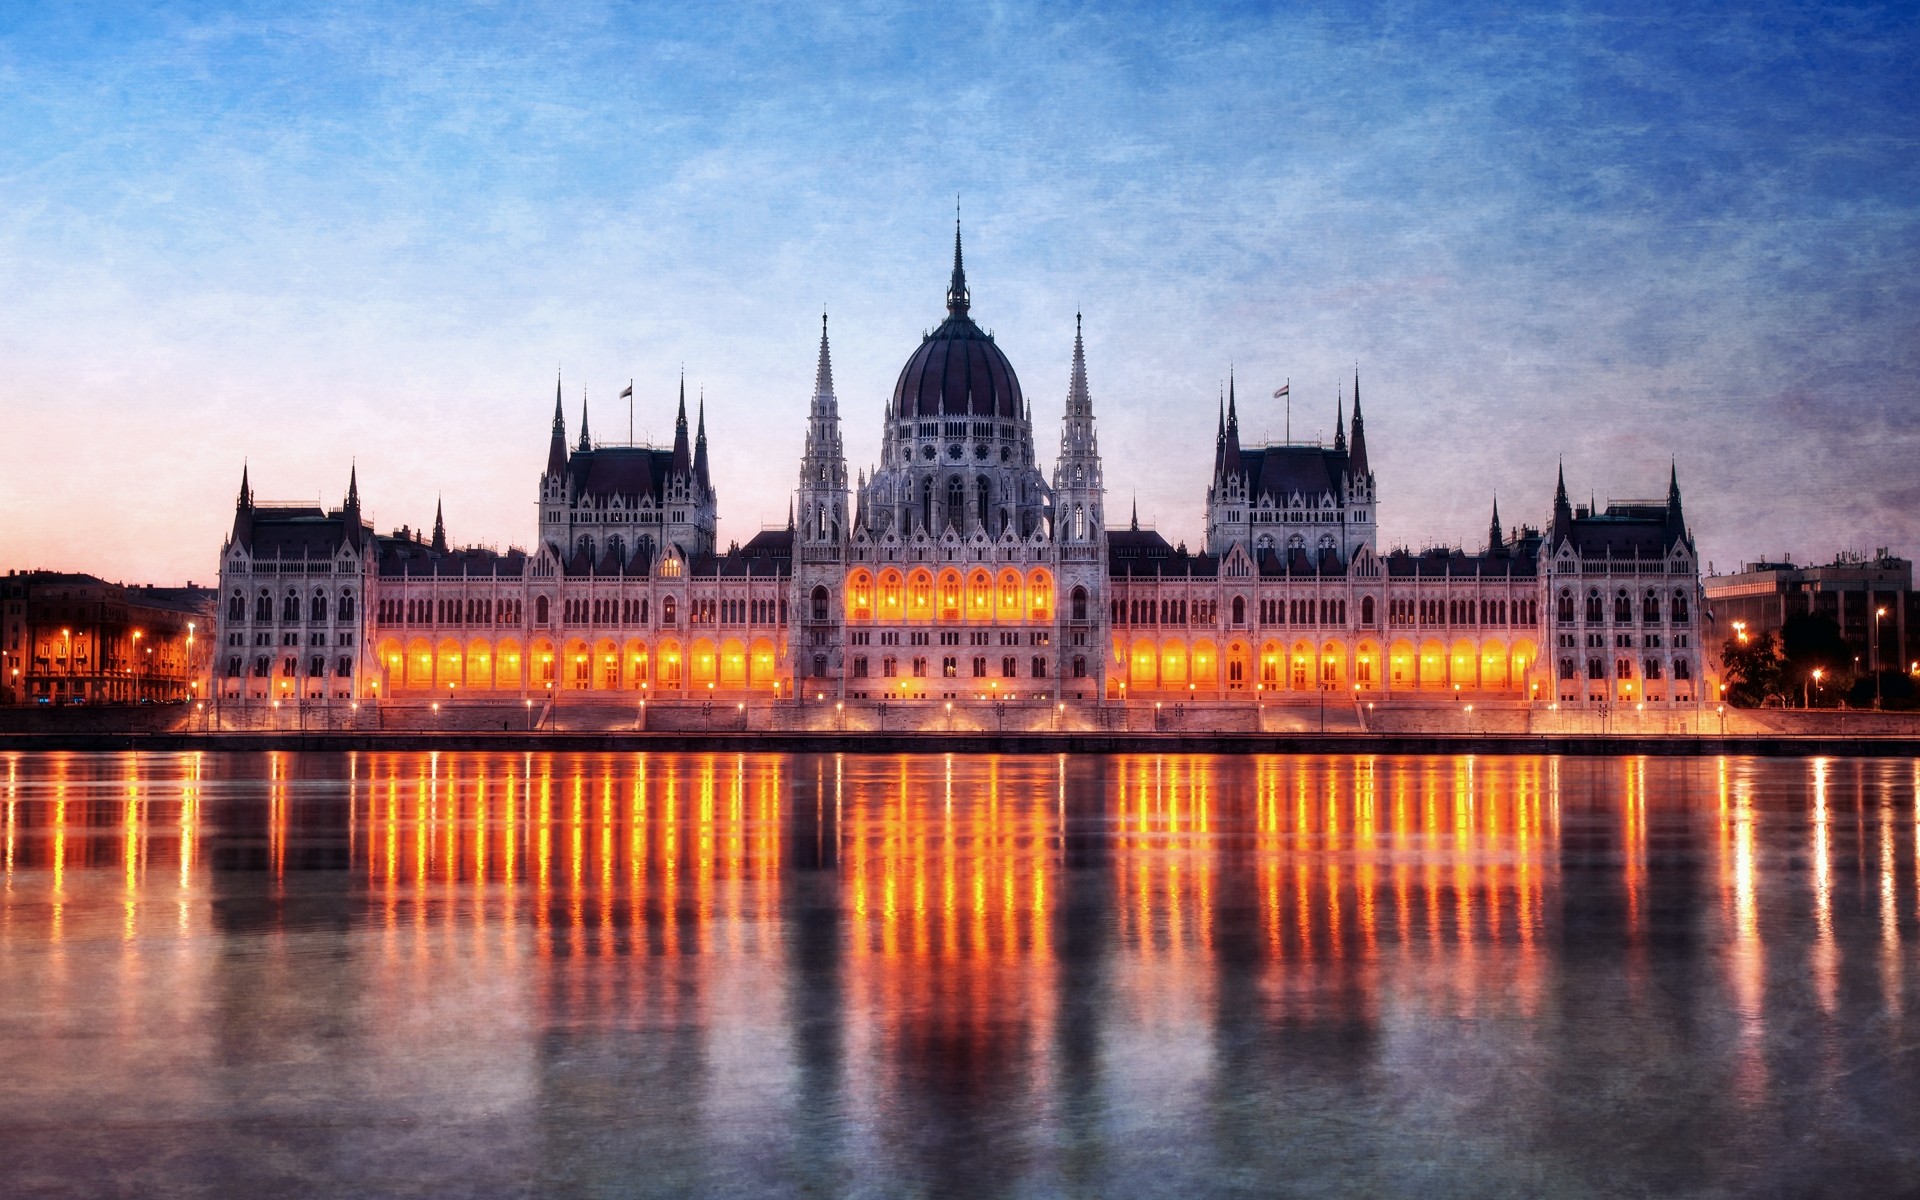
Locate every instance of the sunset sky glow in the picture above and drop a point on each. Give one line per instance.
(305, 236)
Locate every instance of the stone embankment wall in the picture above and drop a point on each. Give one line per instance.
(1393, 720)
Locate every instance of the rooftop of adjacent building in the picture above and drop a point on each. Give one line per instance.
(1849, 571)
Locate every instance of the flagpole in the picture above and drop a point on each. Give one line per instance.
(1289, 390)
(629, 412)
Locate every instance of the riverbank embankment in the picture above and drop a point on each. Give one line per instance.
(870, 742)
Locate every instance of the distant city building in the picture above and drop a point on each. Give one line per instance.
(77, 639)
(956, 569)
(1871, 600)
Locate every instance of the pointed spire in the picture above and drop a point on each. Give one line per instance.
(1230, 458)
(682, 456)
(1358, 452)
(557, 447)
(789, 514)
(1079, 396)
(957, 296)
(1676, 525)
(353, 488)
(1135, 521)
(700, 446)
(439, 529)
(823, 372)
(586, 443)
(1495, 543)
(242, 534)
(1562, 508)
(1340, 422)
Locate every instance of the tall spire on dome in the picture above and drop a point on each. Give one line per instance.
(585, 442)
(958, 299)
(1358, 454)
(246, 491)
(439, 529)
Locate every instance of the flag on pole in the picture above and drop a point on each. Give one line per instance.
(1284, 390)
(628, 394)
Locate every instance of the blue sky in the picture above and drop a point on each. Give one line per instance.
(305, 235)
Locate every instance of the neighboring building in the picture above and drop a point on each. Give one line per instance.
(1871, 599)
(956, 569)
(77, 639)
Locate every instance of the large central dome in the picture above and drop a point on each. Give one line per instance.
(958, 371)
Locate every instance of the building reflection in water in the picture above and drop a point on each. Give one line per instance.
(825, 970)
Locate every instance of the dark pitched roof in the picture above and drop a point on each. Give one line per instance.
(630, 472)
(1280, 471)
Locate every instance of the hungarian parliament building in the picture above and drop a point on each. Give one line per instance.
(957, 569)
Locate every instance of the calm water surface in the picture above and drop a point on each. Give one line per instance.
(506, 975)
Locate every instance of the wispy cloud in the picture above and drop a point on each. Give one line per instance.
(300, 235)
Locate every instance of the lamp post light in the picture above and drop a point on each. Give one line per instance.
(1873, 654)
(1806, 696)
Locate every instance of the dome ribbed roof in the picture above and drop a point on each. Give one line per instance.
(958, 370)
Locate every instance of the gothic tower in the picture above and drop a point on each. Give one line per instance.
(1080, 538)
(820, 538)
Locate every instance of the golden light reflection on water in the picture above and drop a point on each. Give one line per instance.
(953, 876)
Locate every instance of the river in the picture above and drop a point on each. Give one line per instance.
(417, 974)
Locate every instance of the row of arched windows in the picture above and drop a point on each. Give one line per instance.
(291, 607)
(1623, 607)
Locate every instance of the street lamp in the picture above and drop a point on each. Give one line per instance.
(1873, 654)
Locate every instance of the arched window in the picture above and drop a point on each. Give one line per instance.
(290, 611)
(983, 495)
(1239, 610)
(1079, 666)
(1565, 612)
(669, 609)
(540, 610)
(1650, 611)
(1681, 670)
(1623, 668)
(346, 605)
(1079, 474)
(819, 666)
(1039, 667)
(617, 547)
(1679, 614)
(926, 504)
(237, 606)
(819, 603)
(1079, 522)
(1596, 669)
(1622, 608)
(1079, 602)
(318, 609)
(1366, 610)
(956, 501)
(1652, 668)
(1594, 612)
